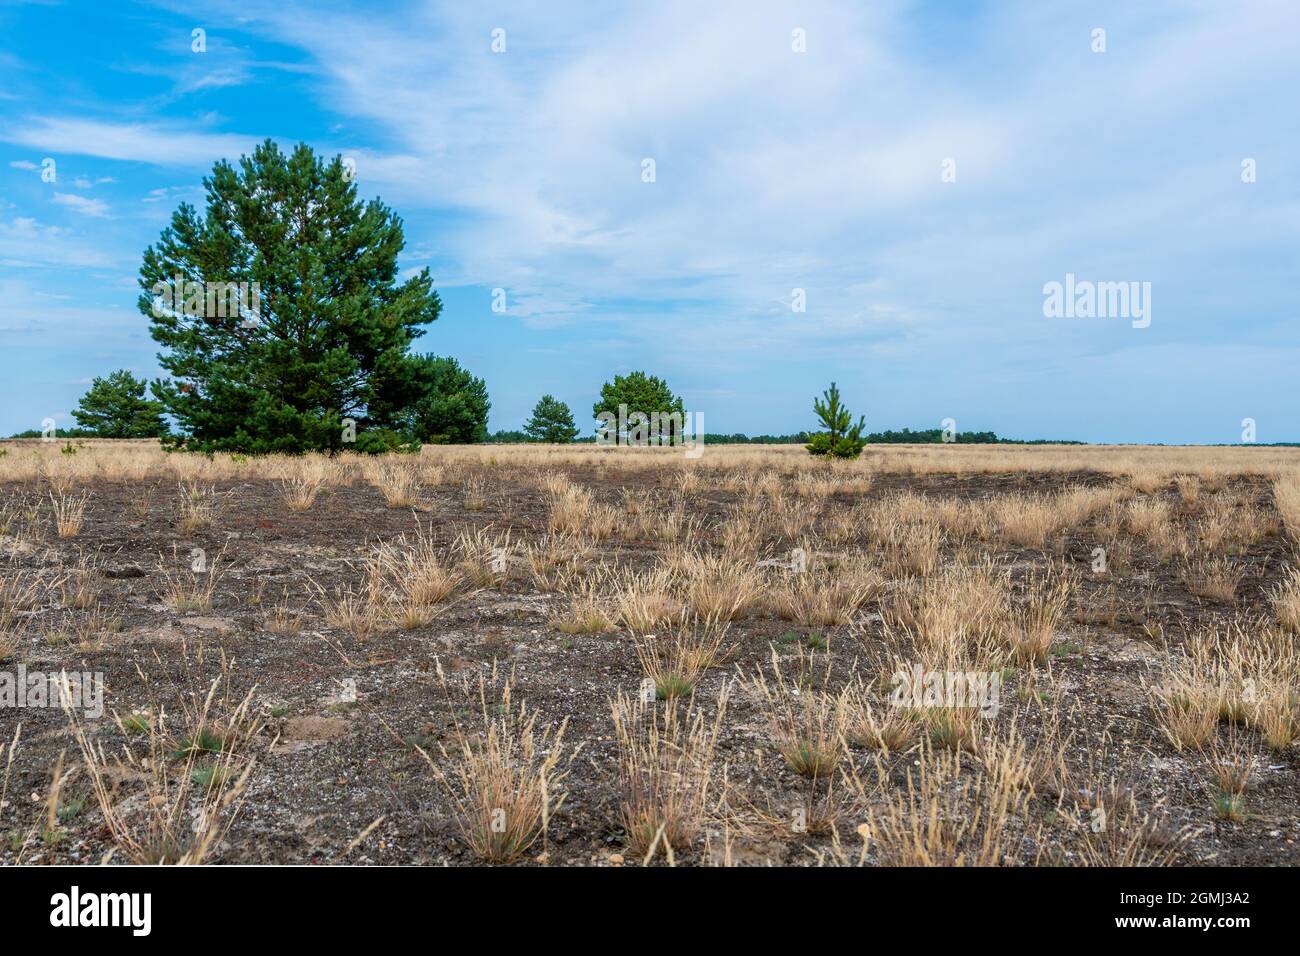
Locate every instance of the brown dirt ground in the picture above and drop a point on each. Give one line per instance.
(337, 767)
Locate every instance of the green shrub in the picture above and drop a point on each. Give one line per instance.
(841, 438)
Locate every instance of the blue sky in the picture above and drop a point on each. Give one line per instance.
(775, 170)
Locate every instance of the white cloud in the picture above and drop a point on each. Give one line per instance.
(85, 182)
(82, 206)
(156, 143)
(818, 170)
(29, 313)
(26, 243)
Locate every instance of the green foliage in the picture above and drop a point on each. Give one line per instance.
(552, 422)
(841, 438)
(205, 741)
(115, 407)
(922, 436)
(330, 335)
(379, 441)
(57, 433)
(448, 405)
(136, 724)
(67, 810)
(847, 447)
(647, 394)
(928, 436)
(509, 436)
(739, 438)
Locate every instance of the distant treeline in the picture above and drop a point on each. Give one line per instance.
(513, 436)
(905, 436)
(935, 436)
(59, 433)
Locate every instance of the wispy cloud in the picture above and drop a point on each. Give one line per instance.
(161, 144)
(26, 243)
(777, 170)
(82, 205)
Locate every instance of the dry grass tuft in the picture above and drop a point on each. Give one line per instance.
(9, 644)
(1148, 481)
(1026, 521)
(300, 492)
(1189, 488)
(717, 586)
(645, 602)
(474, 494)
(356, 612)
(1036, 619)
(414, 569)
(196, 507)
(955, 618)
(1186, 707)
(506, 779)
(588, 611)
(675, 663)
(1151, 519)
(1285, 597)
(557, 561)
(398, 481)
(282, 620)
(1232, 768)
(69, 513)
(807, 725)
(1286, 498)
(1213, 578)
(23, 590)
(825, 597)
(190, 585)
(947, 814)
(485, 558)
(79, 587)
(872, 723)
(193, 784)
(666, 755)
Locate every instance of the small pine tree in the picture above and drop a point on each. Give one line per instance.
(842, 438)
(115, 407)
(552, 422)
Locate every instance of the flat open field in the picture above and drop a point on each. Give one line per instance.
(935, 655)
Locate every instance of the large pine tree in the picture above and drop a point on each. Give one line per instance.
(329, 338)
